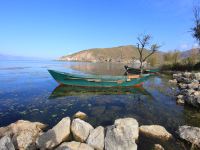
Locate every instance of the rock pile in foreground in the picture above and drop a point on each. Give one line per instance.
(22, 133)
(155, 131)
(189, 85)
(77, 134)
(190, 134)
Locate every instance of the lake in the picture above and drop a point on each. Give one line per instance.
(27, 91)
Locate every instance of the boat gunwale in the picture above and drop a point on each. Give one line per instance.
(66, 78)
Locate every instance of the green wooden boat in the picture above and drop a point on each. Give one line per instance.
(96, 80)
(131, 70)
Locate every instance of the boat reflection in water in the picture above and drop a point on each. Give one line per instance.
(67, 90)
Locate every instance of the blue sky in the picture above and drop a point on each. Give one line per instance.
(52, 28)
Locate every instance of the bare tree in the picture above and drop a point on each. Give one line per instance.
(196, 28)
(141, 46)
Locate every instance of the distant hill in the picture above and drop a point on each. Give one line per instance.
(12, 57)
(123, 54)
(187, 53)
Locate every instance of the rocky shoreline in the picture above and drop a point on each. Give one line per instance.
(189, 86)
(77, 134)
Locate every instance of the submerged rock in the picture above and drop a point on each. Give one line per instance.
(96, 138)
(158, 147)
(74, 146)
(155, 131)
(80, 115)
(180, 100)
(23, 133)
(55, 136)
(6, 143)
(122, 135)
(80, 130)
(190, 134)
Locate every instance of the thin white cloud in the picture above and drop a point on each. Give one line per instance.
(195, 45)
(184, 46)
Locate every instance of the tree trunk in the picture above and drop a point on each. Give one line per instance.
(141, 67)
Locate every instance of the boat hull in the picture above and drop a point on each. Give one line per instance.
(131, 70)
(96, 81)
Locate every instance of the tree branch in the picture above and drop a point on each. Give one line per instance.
(154, 48)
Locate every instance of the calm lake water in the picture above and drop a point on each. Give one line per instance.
(27, 91)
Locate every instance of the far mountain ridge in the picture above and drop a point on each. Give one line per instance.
(123, 54)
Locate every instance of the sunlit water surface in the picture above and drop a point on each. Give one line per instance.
(27, 91)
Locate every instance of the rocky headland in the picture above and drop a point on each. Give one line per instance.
(121, 54)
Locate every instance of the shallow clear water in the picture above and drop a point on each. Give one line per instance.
(27, 91)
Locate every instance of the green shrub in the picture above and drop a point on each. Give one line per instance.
(197, 66)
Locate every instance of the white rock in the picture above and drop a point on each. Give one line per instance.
(74, 146)
(23, 133)
(187, 74)
(96, 138)
(26, 140)
(197, 76)
(180, 97)
(158, 147)
(80, 115)
(156, 131)
(182, 85)
(174, 81)
(189, 92)
(80, 130)
(190, 134)
(122, 135)
(193, 99)
(131, 126)
(180, 101)
(175, 76)
(197, 93)
(6, 143)
(55, 136)
(193, 85)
